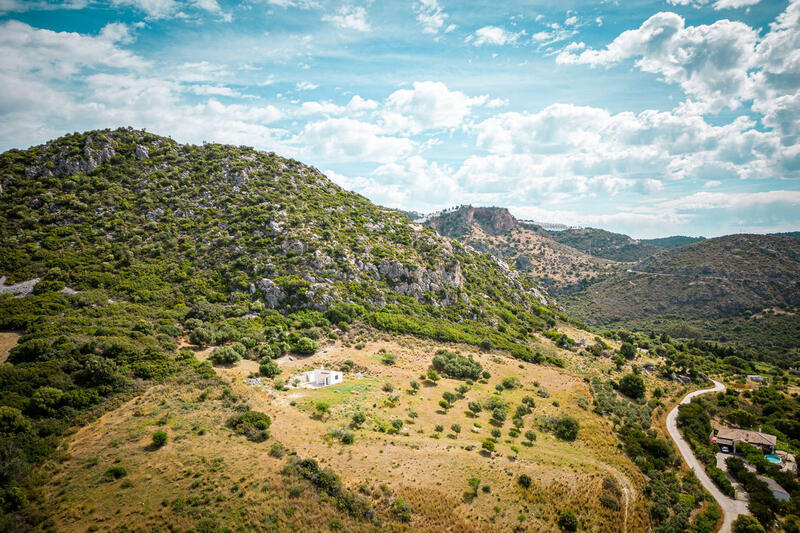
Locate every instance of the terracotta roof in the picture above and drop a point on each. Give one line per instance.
(750, 437)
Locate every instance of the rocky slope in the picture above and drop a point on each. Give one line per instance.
(248, 221)
(529, 248)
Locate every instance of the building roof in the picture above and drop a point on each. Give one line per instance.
(750, 437)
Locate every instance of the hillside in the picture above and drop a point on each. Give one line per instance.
(736, 276)
(606, 244)
(527, 247)
(674, 241)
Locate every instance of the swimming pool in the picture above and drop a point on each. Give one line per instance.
(774, 459)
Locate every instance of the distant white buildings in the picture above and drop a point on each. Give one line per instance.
(319, 377)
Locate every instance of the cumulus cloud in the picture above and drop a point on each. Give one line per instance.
(349, 18)
(711, 63)
(719, 4)
(345, 139)
(493, 36)
(428, 105)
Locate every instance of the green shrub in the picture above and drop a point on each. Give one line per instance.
(159, 439)
(456, 366)
(567, 521)
(115, 472)
(305, 346)
(252, 424)
(567, 428)
(225, 356)
(269, 368)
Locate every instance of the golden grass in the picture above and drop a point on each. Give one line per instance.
(8, 339)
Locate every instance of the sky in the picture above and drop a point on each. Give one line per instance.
(650, 118)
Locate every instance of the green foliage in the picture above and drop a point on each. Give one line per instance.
(269, 368)
(159, 438)
(225, 355)
(567, 520)
(566, 428)
(524, 481)
(252, 424)
(456, 366)
(746, 524)
(305, 346)
(632, 385)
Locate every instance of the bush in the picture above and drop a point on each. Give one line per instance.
(159, 439)
(402, 510)
(305, 346)
(524, 481)
(269, 368)
(747, 524)
(567, 428)
(358, 419)
(456, 366)
(225, 356)
(567, 521)
(632, 386)
(115, 472)
(252, 424)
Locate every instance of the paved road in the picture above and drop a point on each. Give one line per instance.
(731, 508)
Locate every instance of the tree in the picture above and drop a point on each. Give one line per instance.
(628, 350)
(524, 481)
(475, 407)
(488, 445)
(433, 375)
(456, 428)
(747, 524)
(567, 521)
(449, 397)
(414, 386)
(632, 386)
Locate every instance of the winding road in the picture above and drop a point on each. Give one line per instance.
(731, 508)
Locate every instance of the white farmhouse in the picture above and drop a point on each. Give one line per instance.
(319, 377)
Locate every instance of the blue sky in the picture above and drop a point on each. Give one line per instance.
(649, 118)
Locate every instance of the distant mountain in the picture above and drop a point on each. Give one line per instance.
(526, 246)
(606, 244)
(732, 276)
(674, 241)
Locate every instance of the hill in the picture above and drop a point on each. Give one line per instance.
(161, 300)
(606, 244)
(673, 242)
(527, 247)
(708, 282)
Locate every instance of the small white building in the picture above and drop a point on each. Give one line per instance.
(319, 377)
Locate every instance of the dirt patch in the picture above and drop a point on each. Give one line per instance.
(8, 339)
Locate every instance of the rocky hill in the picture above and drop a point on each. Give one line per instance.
(673, 241)
(528, 247)
(120, 246)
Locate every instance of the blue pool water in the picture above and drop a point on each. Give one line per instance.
(774, 459)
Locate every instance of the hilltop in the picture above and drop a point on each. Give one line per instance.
(528, 247)
(606, 244)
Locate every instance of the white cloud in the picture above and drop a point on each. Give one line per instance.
(21, 6)
(494, 36)
(306, 86)
(350, 18)
(428, 105)
(117, 32)
(710, 62)
(154, 9)
(430, 15)
(345, 139)
(719, 4)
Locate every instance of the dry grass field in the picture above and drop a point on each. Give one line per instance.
(207, 477)
(7, 341)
